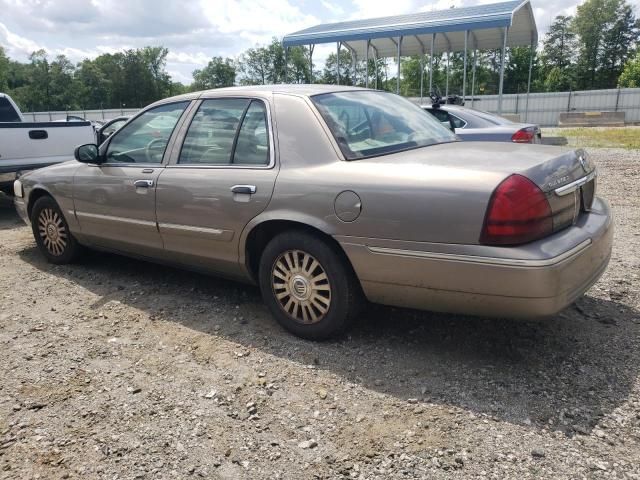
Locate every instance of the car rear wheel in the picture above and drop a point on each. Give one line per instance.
(307, 286)
(52, 234)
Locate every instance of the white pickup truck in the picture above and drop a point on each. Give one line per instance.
(29, 145)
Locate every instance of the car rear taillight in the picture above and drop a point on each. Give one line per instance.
(518, 213)
(524, 135)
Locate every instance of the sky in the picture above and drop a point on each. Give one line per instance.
(196, 30)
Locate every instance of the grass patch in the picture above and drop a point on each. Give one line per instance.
(612, 137)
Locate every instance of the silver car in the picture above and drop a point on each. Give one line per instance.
(328, 196)
(479, 126)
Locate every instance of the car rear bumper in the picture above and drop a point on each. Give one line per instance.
(535, 280)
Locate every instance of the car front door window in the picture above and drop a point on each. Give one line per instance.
(144, 140)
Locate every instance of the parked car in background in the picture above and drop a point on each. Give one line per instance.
(26, 146)
(479, 126)
(325, 196)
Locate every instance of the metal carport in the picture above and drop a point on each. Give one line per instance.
(482, 27)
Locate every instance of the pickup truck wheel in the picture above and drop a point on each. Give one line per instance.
(307, 286)
(52, 234)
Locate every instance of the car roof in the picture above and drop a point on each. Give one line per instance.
(306, 90)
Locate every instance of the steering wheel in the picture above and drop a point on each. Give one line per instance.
(154, 150)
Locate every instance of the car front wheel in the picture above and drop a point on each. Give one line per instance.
(307, 286)
(51, 232)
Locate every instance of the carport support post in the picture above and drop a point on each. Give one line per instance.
(422, 76)
(504, 48)
(366, 62)
(464, 68)
(446, 89)
(338, 63)
(526, 107)
(354, 62)
(433, 39)
(375, 63)
(311, 47)
(473, 75)
(286, 62)
(398, 74)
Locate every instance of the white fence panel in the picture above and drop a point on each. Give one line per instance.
(101, 115)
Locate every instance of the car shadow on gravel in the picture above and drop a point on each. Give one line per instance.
(8, 216)
(563, 374)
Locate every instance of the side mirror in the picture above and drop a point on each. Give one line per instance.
(87, 153)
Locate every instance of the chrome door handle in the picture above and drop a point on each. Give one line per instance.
(143, 183)
(248, 189)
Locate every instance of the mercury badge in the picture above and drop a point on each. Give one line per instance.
(583, 163)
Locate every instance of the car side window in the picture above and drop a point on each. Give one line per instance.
(211, 136)
(457, 122)
(252, 144)
(145, 139)
(7, 112)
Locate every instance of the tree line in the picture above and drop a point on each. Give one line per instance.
(597, 48)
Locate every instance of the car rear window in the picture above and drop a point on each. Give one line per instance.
(7, 112)
(368, 123)
(490, 117)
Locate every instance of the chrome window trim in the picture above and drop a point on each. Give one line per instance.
(179, 141)
(190, 228)
(507, 262)
(138, 165)
(113, 218)
(571, 187)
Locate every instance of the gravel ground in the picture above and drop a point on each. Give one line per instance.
(116, 368)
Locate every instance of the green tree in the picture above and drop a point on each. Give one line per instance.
(618, 42)
(630, 76)
(255, 65)
(61, 93)
(607, 31)
(346, 69)
(91, 86)
(4, 71)
(559, 43)
(218, 73)
(517, 69)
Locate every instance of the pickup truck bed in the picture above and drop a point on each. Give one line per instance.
(26, 146)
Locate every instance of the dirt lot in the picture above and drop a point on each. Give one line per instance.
(115, 368)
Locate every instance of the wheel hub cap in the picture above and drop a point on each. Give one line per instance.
(301, 286)
(52, 231)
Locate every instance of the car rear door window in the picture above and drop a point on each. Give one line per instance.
(457, 122)
(227, 131)
(145, 139)
(252, 145)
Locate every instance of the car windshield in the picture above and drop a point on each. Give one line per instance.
(369, 123)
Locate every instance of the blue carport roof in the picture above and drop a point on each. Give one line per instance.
(484, 22)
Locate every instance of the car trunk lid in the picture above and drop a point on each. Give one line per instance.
(566, 177)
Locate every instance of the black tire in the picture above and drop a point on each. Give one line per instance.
(341, 288)
(46, 216)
